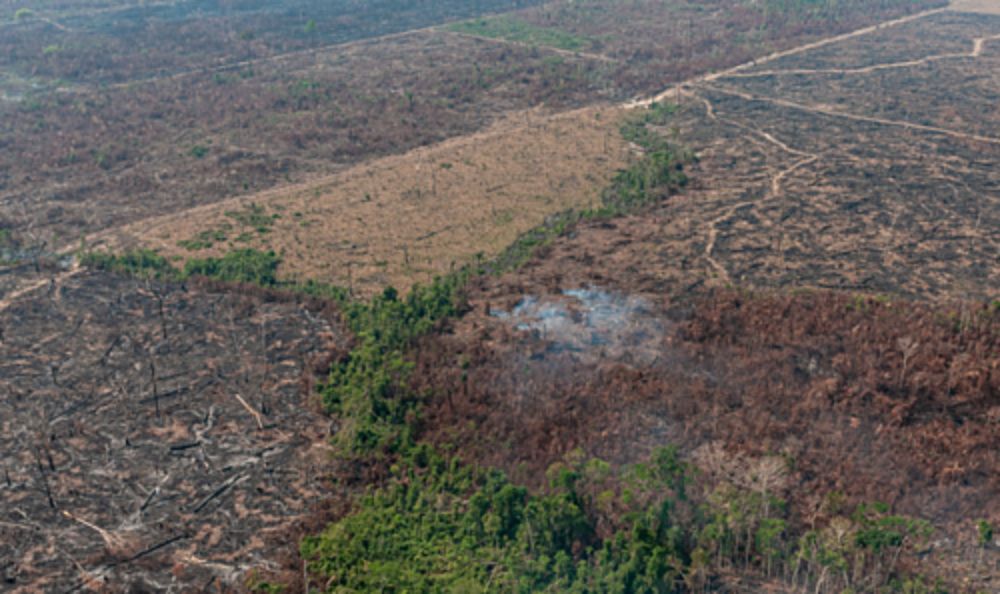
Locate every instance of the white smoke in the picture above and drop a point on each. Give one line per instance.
(592, 325)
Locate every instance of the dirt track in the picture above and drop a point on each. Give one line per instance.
(668, 94)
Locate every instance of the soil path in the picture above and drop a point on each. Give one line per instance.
(850, 116)
(978, 46)
(673, 90)
(775, 190)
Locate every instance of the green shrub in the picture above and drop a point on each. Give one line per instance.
(441, 526)
(242, 266)
(143, 263)
(367, 388)
(245, 266)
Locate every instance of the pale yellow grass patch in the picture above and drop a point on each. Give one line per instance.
(982, 6)
(405, 219)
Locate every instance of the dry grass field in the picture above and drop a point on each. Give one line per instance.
(405, 219)
(980, 6)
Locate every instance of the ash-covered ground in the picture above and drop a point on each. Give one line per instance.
(155, 437)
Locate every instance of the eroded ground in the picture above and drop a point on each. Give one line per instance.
(154, 437)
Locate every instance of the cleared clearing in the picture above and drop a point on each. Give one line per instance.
(404, 219)
(981, 6)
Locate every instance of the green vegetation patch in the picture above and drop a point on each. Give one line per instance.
(142, 263)
(206, 239)
(512, 29)
(367, 389)
(255, 217)
(243, 266)
(442, 526)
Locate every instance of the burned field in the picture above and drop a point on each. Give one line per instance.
(155, 437)
(165, 436)
(862, 345)
(814, 194)
(78, 163)
(119, 41)
(656, 43)
(266, 98)
(810, 198)
(894, 402)
(911, 73)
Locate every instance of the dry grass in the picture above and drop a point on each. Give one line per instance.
(404, 219)
(982, 6)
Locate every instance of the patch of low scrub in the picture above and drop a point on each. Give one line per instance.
(512, 29)
(242, 266)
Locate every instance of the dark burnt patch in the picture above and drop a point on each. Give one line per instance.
(157, 436)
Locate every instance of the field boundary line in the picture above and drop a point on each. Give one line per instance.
(851, 116)
(978, 45)
(712, 76)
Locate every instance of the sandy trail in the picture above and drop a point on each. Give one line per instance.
(775, 189)
(849, 116)
(782, 54)
(55, 281)
(978, 45)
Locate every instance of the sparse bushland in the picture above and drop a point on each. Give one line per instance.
(512, 29)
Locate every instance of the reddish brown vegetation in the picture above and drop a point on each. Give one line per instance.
(897, 402)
